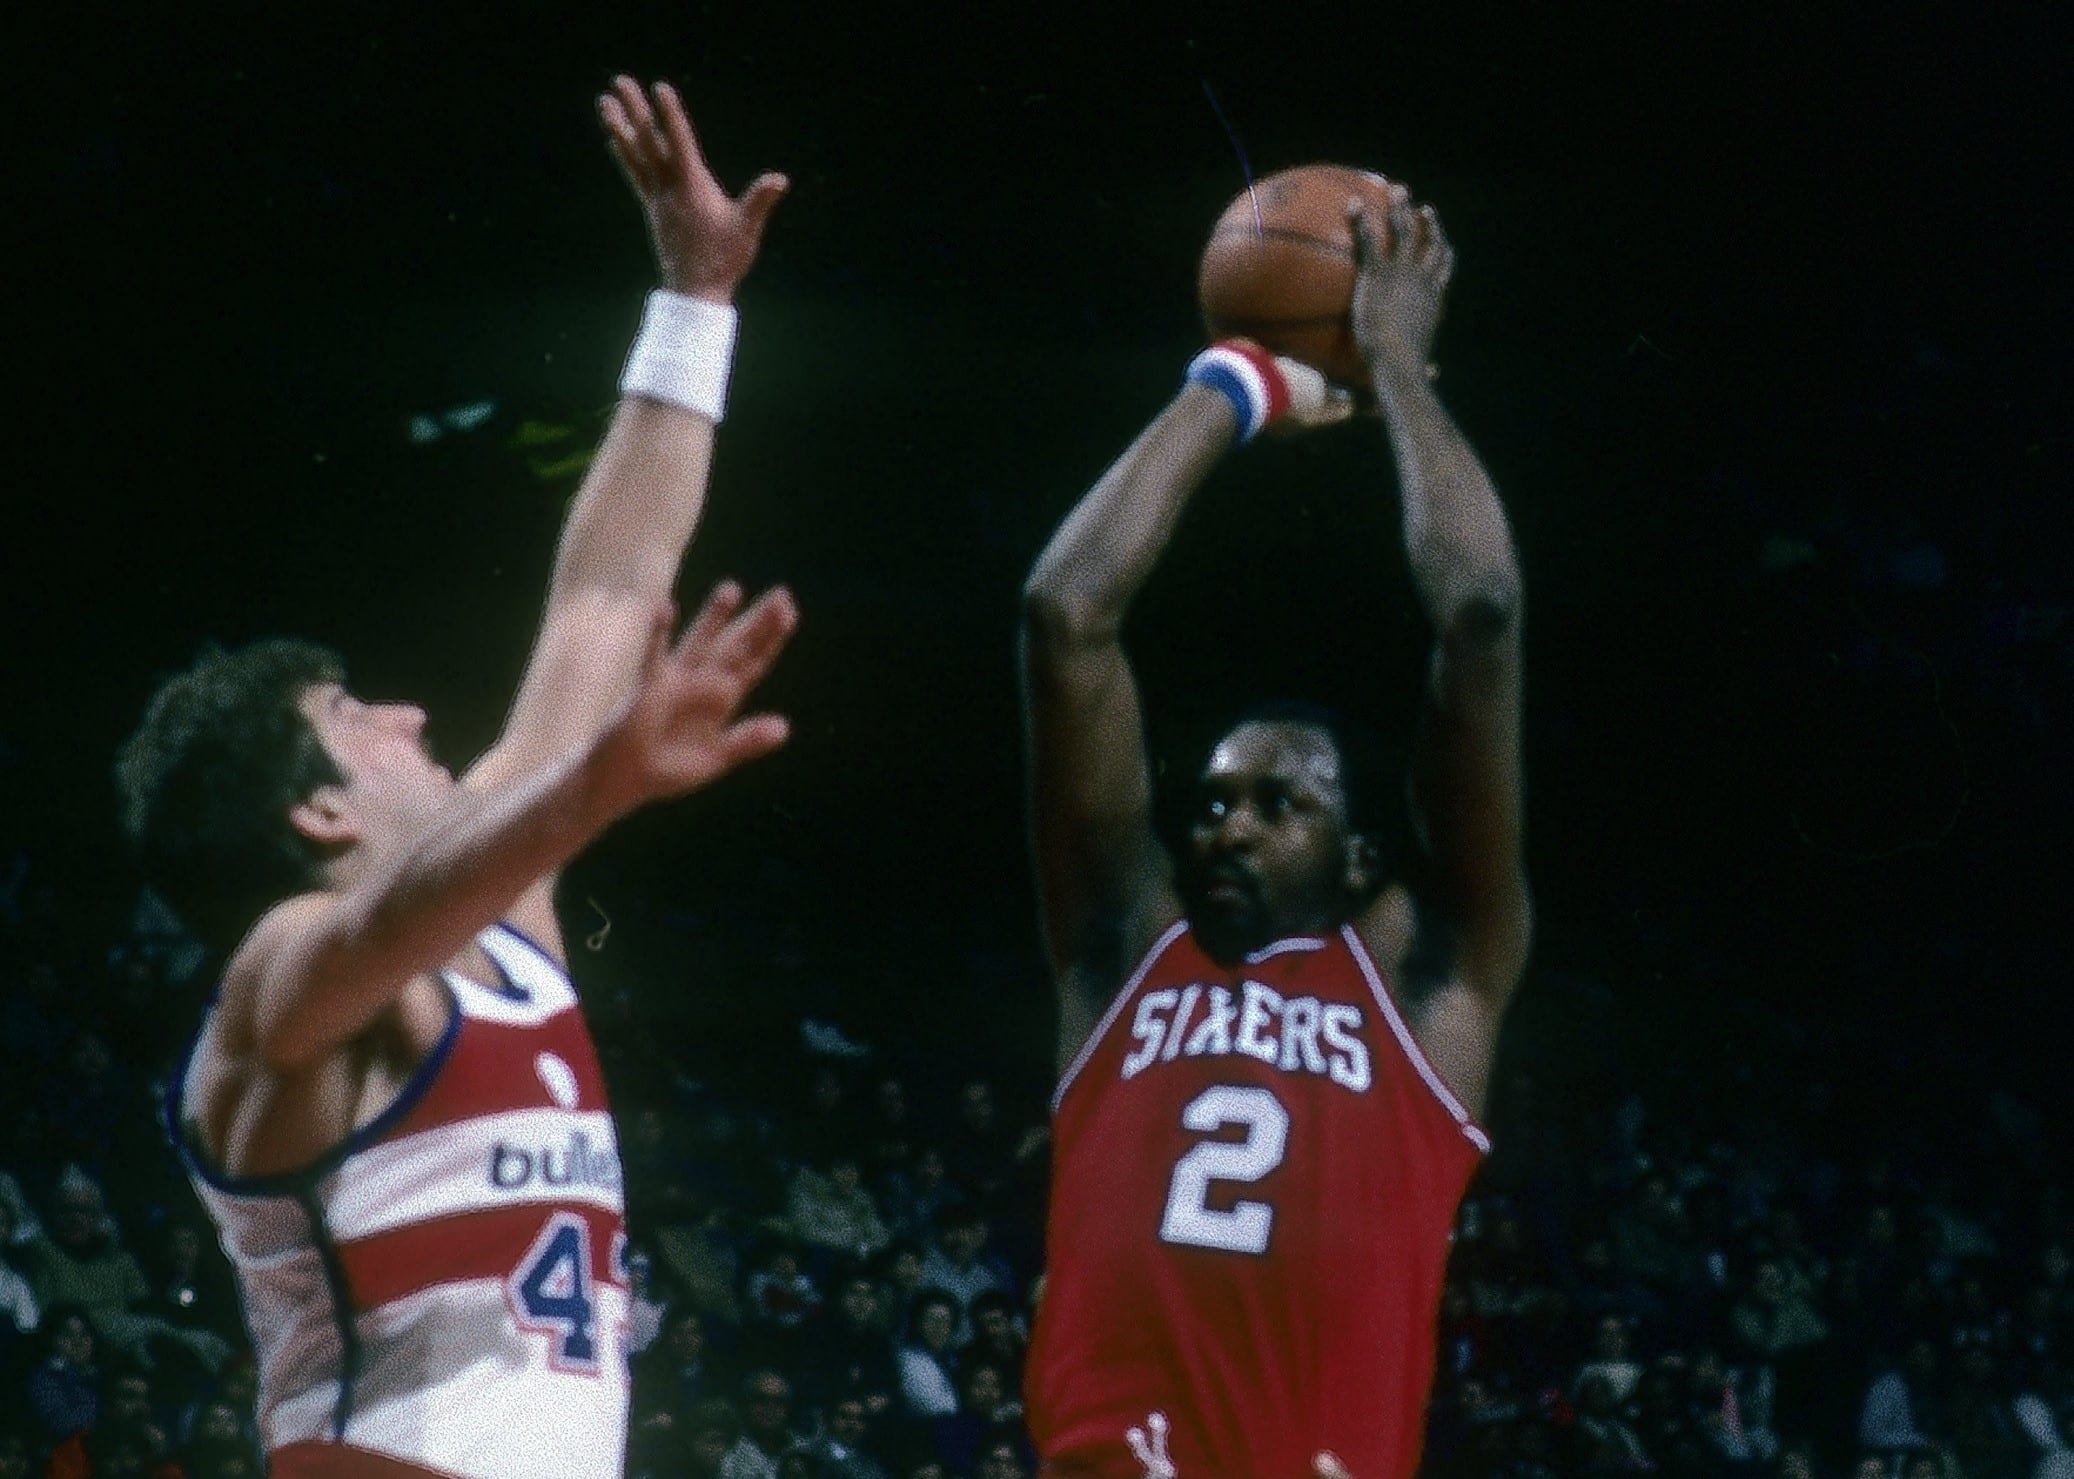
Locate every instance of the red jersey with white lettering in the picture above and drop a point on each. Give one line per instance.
(442, 1294)
(1255, 1175)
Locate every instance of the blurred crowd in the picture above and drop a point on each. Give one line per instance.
(836, 1276)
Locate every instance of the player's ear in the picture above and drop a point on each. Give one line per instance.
(1362, 870)
(323, 817)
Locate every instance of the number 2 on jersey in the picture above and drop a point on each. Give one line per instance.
(1244, 1226)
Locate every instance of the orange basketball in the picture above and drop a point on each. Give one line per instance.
(1279, 267)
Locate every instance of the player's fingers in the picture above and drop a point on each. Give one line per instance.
(646, 138)
(1404, 225)
(757, 203)
(677, 131)
(1431, 238)
(749, 739)
(1327, 1466)
(619, 137)
(1366, 248)
(714, 613)
(754, 639)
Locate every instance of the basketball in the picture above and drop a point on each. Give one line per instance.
(1279, 267)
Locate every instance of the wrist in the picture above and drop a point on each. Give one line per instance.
(1396, 379)
(684, 353)
(1245, 377)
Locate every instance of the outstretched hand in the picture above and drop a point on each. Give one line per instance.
(1400, 286)
(705, 241)
(680, 729)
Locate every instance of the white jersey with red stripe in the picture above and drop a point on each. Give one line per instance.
(446, 1287)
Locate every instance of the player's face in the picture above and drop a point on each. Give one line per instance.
(392, 781)
(1268, 852)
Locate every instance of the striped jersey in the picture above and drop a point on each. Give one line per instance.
(444, 1292)
(1254, 1179)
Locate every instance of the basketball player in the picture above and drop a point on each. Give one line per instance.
(393, 1108)
(1273, 1046)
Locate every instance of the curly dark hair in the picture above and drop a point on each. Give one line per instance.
(224, 753)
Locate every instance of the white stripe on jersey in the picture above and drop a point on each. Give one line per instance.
(494, 1160)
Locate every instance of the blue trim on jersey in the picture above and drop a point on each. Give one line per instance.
(535, 946)
(348, 1335)
(292, 1183)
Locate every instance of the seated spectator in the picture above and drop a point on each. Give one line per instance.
(781, 1300)
(676, 1372)
(65, 1383)
(1600, 1289)
(1733, 1410)
(656, 1447)
(1612, 1360)
(844, 1451)
(1003, 1455)
(890, 1139)
(1980, 1424)
(851, 1354)
(1773, 1318)
(927, 1366)
(1605, 1442)
(711, 1432)
(978, 1147)
(190, 1281)
(915, 1194)
(828, 1128)
(766, 1427)
(984, 1404)
(899, 1272)
(698, 1250)
(832, 1210)
(82, 1262)
(959, 1264)
(19, 1311)
(999, 1336)
(1891, 1418)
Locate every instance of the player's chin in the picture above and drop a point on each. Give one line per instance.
(1224, 927)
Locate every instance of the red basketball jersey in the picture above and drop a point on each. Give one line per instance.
(1255, 1175)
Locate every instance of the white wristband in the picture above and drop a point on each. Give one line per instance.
(682, 354)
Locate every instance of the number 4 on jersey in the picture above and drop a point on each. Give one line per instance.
(551, 1293)
(1244, 1226)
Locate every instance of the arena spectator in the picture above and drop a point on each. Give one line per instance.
(928, 1366)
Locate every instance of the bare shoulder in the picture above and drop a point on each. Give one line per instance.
(1110, 947)
(1452, 1003)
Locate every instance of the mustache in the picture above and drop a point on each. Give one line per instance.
(1225, 871)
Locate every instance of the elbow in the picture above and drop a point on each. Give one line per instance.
(1055, 615)
(1482, 611)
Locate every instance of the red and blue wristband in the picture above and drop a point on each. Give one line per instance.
(1246, 375)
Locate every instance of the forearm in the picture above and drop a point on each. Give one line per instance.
(416, 905)
(639, 504)
(1455, 533)
(1102, 555)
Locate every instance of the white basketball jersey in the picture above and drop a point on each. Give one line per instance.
(447, 1287)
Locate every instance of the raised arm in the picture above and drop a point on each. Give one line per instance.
(626, 534)
(322, 968)
(1466, 777)
(1102, 877)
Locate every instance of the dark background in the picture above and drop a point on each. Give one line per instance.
(1760, 325)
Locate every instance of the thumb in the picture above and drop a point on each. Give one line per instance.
(759, 200)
